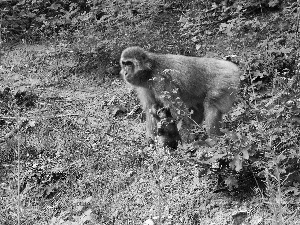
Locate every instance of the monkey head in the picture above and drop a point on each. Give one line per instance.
(136, 66)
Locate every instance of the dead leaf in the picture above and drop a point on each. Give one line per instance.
(231, 182)
(236, 163)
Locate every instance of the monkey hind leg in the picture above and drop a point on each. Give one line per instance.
(213, 118)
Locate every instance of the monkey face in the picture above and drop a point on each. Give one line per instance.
(135, 72)
(127, 68)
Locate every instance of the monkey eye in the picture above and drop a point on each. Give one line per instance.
(127, 63)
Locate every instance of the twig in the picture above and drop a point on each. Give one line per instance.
(19, 172)
(298, 17)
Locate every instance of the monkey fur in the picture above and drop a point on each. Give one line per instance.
(207, 86)
(167, 132)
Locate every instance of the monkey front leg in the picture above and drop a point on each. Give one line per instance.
(151, 125)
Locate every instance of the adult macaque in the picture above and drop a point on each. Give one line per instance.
(207, 86)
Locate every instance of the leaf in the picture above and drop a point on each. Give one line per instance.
(55, 6)
(88, 212)
(238, 111)
(210, 142)
(286, 50)
(78, 208)
(179, 124)
(88, 199)
(213, 159)
(236, 163)
(22, 2)
(294, 190)
(256, 220)
(231, 182)
(148, 222)
(31, 123)
(198, 46)
(76, 200)
(273, 3)
(196, 182)
(195, 39)
(183, 19)
(233, 136)
(245, 154)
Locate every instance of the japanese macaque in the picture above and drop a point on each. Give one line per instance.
(167, 132)
(207, 86)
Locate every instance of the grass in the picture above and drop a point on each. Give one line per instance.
(83, 163)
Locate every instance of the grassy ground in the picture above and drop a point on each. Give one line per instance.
(84, 161)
